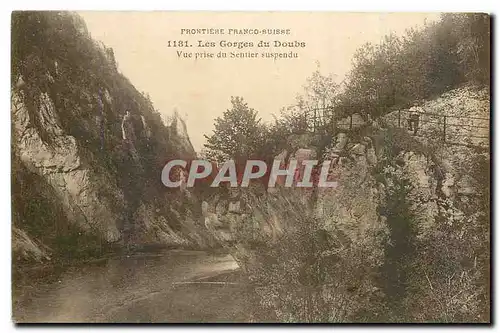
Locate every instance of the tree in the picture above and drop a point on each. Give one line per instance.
(319, 97)
(425, 62)
(238, 134)
(313, 108)
(473, 45)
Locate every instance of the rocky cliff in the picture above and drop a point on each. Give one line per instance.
(87, 149)
(408, 225)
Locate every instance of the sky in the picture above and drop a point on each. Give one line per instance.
(200, 89)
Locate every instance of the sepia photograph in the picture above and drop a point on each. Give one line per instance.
(250, 167)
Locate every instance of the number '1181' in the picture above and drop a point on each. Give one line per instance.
(178, 43)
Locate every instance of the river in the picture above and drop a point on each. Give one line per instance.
(163, 287)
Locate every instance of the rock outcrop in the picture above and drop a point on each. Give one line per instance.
(404, 205)
(83, 135)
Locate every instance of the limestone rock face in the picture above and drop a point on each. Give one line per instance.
(436, 182)
(395, 191)
(341, 141)
(179, 130)
(445, 176)
(89, 148)
(60, 164)
(352, 207)
(26, 249)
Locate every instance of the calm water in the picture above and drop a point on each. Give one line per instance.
(139, 288)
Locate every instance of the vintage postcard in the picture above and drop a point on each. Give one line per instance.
(250, 167)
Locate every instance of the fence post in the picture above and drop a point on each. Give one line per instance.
(334, 122)
(314, 121)
(444, 129)
(399, 118)
(306, 120)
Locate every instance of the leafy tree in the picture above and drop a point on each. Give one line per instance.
(313, 107)
(238, 134)
(473, 45)
(318, 98)
(426, 62)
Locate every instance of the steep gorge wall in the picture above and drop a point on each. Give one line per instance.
(407, 226)
(87, 148)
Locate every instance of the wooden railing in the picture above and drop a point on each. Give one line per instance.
(452, 129)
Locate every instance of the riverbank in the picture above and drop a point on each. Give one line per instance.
(140, 287)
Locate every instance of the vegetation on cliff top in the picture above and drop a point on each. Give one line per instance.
(54, 56)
